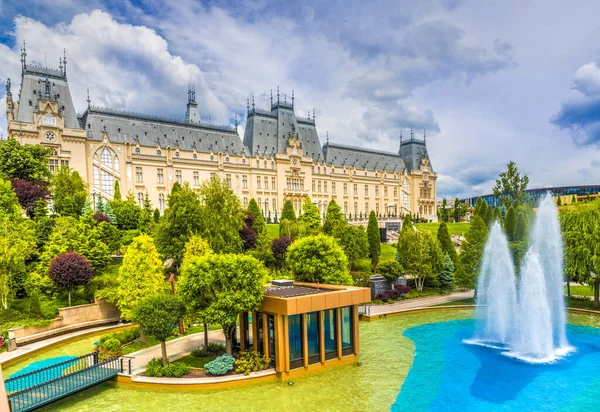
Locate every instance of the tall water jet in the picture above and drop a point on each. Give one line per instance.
(546, 241)
(496, 291)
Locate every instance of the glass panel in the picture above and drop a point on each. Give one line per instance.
(271, 322)
(259, 342)
(295, 338)
(347, 341)
(107, 182)
(312, 330)
(105, 158)
(330, 331)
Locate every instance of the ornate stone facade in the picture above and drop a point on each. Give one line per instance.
(280, 158)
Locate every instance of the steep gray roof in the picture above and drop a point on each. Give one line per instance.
(33, 80)
(268, 131)
(412, 151)
(340, 155)
(151, 131)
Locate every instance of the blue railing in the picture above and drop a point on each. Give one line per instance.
(40, 387)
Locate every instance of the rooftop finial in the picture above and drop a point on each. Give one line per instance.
(400, 137)
(271, 97)
(285, 98)
(248, 105)
(236, 122)
(292, 98)
(327, 138)
(88, 98)
(60, 66)
(277, 94)
(314, 117)
(252, 101)
(24, 56)
(8, 92)
(412, 135)
(65, 62)
(424, 136)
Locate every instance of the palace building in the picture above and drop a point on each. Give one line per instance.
(281, 156)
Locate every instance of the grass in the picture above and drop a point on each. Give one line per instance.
(196, 362)
(470, 301)
(273, 230)
(387, 252)
(581, 290)
(453, 228)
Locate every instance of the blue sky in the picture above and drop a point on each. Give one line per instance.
(489, 81)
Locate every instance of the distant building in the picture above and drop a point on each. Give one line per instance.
(280, 158)
(565, 192)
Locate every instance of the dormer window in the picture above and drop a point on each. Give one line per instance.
(195, 156)
(176, 154)
(158, 153)
(137, 150)
(212, 158)
(227, 159)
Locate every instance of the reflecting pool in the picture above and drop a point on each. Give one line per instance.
(387, 352)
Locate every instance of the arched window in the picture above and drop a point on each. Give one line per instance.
(176, 154)
(158, 152)
(105, 170)
(265, 164)
(137, 150)
(227, 159)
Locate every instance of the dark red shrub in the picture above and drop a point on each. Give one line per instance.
(404, 290)
(101, 217)
(280, 245)
(70, 270)
(248, 236)
(28, 194)
(249, 219)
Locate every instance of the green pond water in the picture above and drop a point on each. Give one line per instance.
(385, 354)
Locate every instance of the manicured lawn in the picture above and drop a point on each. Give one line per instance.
(470, 301)
(453, 228)
(387, 251)
(571, 303)
(273, 230)
(196, 362)
(581, 290)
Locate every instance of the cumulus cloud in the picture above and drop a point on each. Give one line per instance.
(580, 110)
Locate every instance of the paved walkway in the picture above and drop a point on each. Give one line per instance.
(416, 303)
(176, 348)
(31, 347)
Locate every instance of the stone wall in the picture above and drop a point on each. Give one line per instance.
(381, 284)
(71, 318)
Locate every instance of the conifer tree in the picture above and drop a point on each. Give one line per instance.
(497, 215)
(446, 242)
(521, 228)
(310, 220)
(444, 212)
(446, 276)
(489, 216)
(117, 191)
(471, 254)
(288, 211)
(333, 217)
(510, 224)
(259, 220)
(374, 239)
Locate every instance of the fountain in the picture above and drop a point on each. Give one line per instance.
(527, 321)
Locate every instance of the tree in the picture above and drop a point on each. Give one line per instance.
(558, 202)
(156, 215)
(497, 215)
(471, 254)
(220, 287)
(456, 212)
(354, 242)
(70, 270)
(478, 207)
(318, 259)
(446, 276)
(182, 218)
(511, 185)
(69, 192)
(116, 191)
(279, 248)
(288, 211)
(407, 223)
(521, 227)
(140, 274)
(310, 221)
(29, 193)
(374, 239)
(333, 217)
(9, 203)
(157, 315)
(17, 244)
(248, 236)
(221, 216)
(510, 225)
(419, 254)
(259, 220)
(444, 211)
(25, 162)
(489, 216)
(446, 243)
(127, 213)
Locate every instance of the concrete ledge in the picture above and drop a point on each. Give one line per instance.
(198, 383)
(64, 330)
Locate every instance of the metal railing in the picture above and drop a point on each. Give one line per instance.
(34, 389)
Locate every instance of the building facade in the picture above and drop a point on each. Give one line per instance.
(280, 158)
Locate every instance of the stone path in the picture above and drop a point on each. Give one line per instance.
(416, 303)
(176, 348)
(23, 350)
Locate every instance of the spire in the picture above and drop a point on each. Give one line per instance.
(252, 101)
(65, 62)
(412, 136)
(60, 65)
(292, 98)
(248, 105)
(23, 56)
(314, 117)
(191, 93)
(424, 136)
(236, 122)
(327, 139)
(271, 97)
(277, 94)
(88, 98)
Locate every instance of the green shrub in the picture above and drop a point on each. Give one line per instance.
(362, 265)
(362, 279)
(251, 362)
(176, 369)
(155, 369)
(128, 335)
(389, 269)
(111, 345)
(213, 349)
(220, 366)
